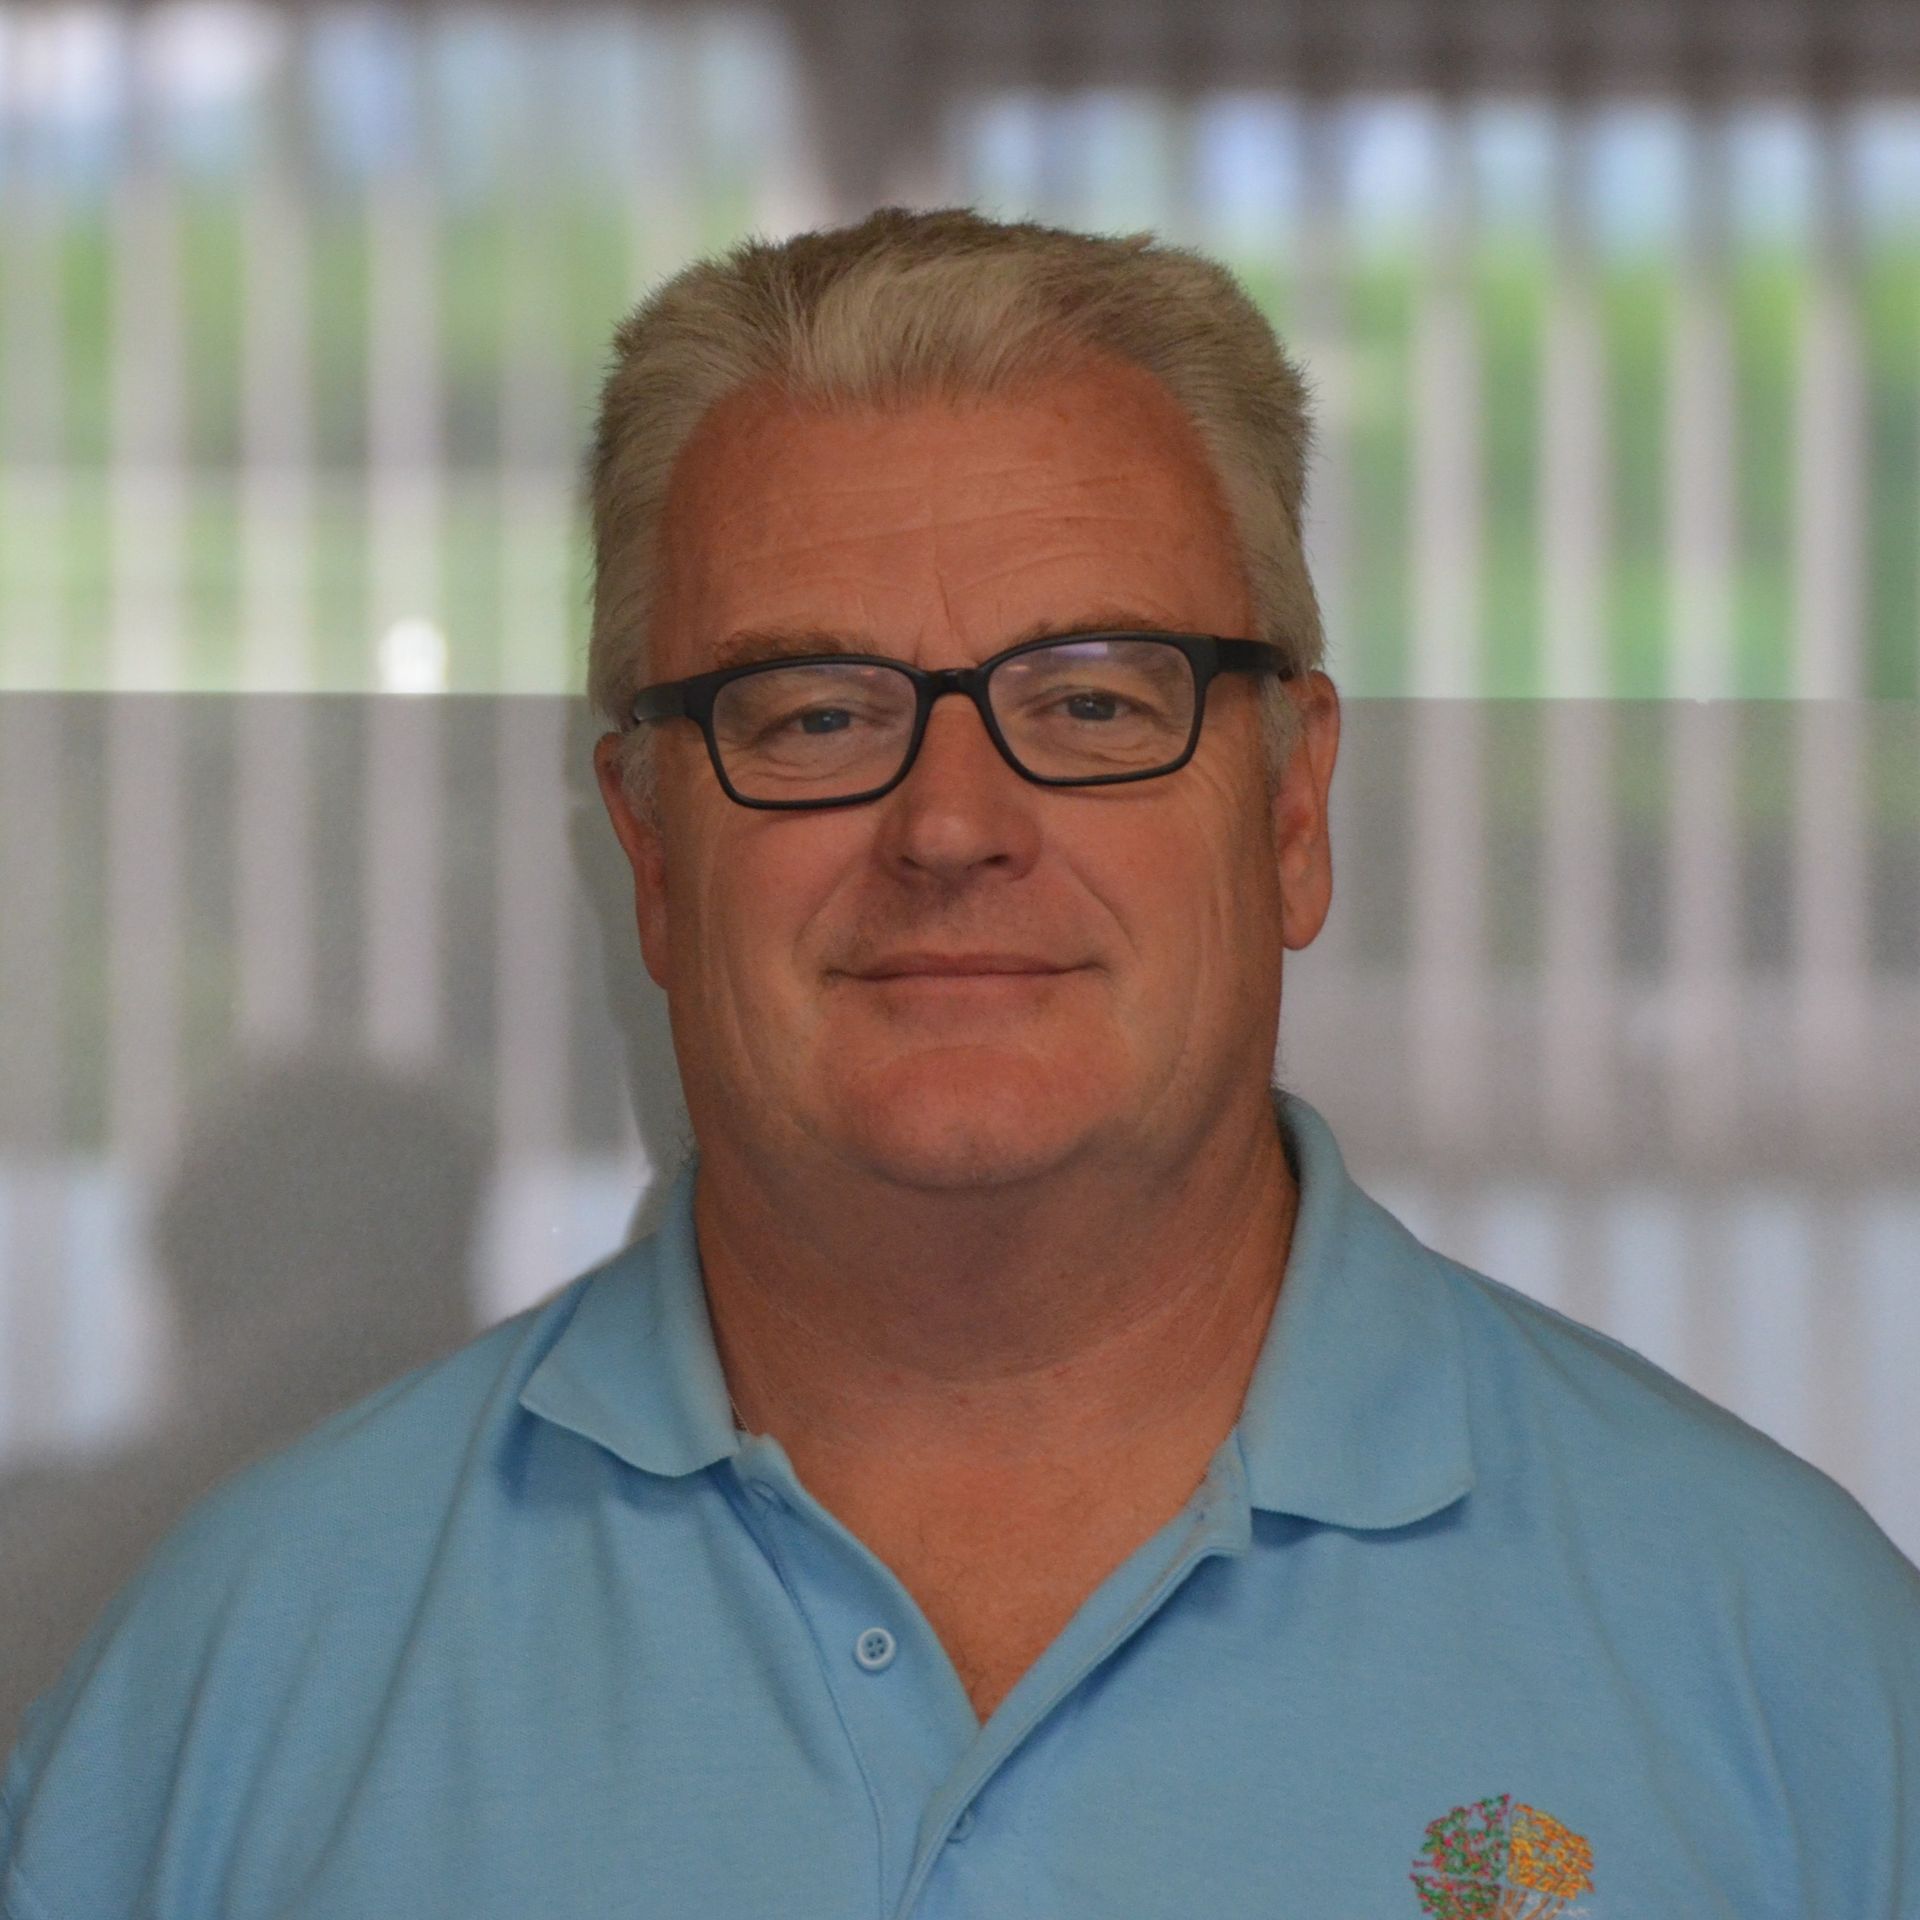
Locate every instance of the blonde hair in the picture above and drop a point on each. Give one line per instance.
(907, 306)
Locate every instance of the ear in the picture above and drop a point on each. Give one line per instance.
(1300, 842)
(640, 840)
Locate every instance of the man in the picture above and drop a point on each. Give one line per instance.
(1119, 1514)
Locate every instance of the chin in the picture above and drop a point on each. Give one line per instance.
(950, 1118)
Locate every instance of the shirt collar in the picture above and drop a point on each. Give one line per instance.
(1356, 1414)
(635, 1368)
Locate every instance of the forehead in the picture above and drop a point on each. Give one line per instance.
(981, 519)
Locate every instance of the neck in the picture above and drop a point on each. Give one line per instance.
(951, 1339)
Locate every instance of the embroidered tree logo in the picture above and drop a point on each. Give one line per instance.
(1500, 1860)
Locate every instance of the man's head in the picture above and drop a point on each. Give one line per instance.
(928, 437)
(907, 306)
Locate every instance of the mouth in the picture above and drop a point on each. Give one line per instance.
(978, 988)
(965, 966)
(967, 977)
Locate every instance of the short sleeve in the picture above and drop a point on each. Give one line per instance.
(88, 1789)
(1840, 1670)
(18, 1901)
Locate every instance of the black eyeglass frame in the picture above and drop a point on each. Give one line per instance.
(1208, 655)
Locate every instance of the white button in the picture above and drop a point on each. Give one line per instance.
(767, 1492)
(874, 1649)
(963, 1826)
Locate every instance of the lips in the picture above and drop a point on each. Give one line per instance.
(906, 966)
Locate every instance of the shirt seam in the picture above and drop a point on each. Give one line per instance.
(18, 1901)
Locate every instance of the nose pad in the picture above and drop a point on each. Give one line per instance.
(969, 716)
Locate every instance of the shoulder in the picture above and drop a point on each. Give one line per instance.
(341, 1513)
(1668, 1476)
(392, 1459)
(270, 1612)
(1734, 1579)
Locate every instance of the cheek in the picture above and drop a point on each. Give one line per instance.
(1209, 891)
(760, 900)
(1158, 885)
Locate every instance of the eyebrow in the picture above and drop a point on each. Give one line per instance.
(753, 644)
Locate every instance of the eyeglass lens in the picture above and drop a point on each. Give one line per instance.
(1076, 710)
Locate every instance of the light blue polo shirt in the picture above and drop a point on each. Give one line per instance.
(1474, 1604)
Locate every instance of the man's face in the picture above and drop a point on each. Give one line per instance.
(939, 536)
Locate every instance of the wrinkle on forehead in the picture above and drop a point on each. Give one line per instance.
(931, 525)
(1129, 476)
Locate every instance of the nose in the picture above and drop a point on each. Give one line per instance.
(957, 743)
(961, 805)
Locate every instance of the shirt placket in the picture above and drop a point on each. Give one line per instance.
(1217, 1520)
(906, 1716)
(925, 1759)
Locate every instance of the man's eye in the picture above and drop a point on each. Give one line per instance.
(1111, 701)
(819, 713)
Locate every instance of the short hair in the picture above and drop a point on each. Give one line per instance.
(908, 306)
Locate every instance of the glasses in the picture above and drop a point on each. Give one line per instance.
(835, 729)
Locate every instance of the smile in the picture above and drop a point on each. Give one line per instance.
(977, 979)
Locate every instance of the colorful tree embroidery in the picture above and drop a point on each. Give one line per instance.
(1498, 1859)
(1547, 1858)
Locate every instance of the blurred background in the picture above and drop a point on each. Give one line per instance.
(324, 1037)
